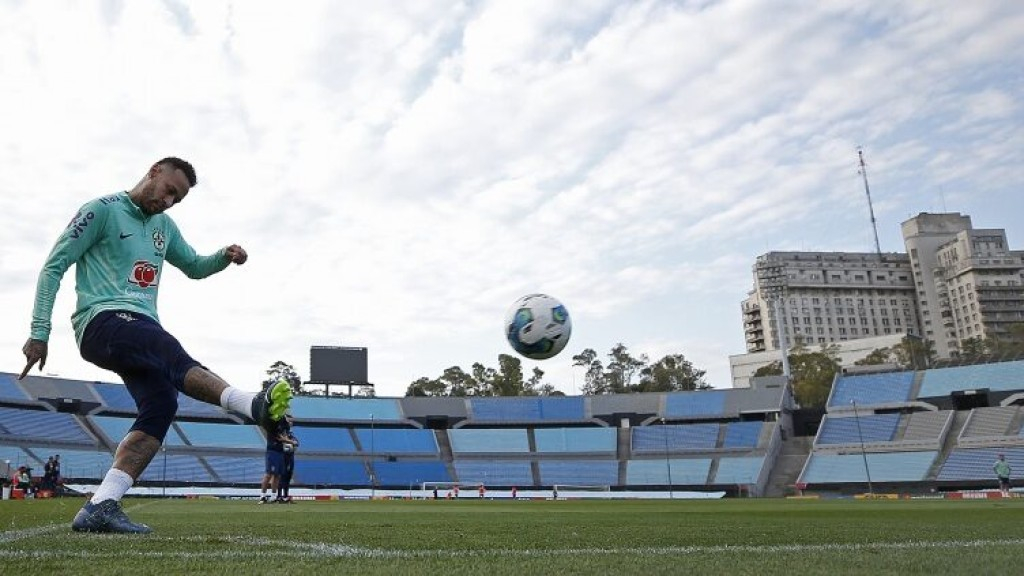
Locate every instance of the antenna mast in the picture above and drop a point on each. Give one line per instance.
(867, 190)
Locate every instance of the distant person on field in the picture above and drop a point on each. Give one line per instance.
(120, 245)
(49, 483)
(274, 463)
(1003, 471)
(289, 443)
(56, 471)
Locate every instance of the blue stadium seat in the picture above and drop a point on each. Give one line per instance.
(656, 472)
(527, 409)
(78, 463)
(319, 471)
(217, 435)
(850, 430)
(703, 403)
(9, 389)
(346, 409)
(238, 469)
(495, 472)
(185, 468)
(575, 440)
(116, 397)
(742, 434)
(397, 441)
(872, 389)
(1001, 376)
(190, 407)
(976, 464)
(489, 440)
(581, 472)
(883, 466)
(674, 438)
(324, 439)
(409, 473)
(115, 429)
(21, 424)
(745, 470)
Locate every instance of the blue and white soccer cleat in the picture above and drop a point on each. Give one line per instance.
(106, 516)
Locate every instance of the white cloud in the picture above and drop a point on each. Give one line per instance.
(401, 173)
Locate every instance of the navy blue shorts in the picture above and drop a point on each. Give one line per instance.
(150, 361)
(275, 462)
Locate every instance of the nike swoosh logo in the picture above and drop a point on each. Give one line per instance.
(123, 235)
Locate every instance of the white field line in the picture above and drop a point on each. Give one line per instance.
(255, 548)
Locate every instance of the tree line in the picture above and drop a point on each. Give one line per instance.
(622, 373)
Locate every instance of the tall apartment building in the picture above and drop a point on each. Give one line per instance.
(953, 283)
(980, 285)
(825, 297)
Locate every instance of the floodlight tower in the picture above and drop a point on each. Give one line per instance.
(863, 171)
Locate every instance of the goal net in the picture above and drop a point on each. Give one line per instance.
(562, 488)
(445, 487)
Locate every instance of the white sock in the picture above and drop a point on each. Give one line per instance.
(113, 487)
(237, 400)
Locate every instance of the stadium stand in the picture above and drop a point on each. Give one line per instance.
(76, 463)
(325, 439)
(240, 469)
(883, 467)
(990, 423)
(581, 472)
(675, 438)
(410, 473)
(41, 387)
(575, 440)
(42, 426)
(9, 389)
(494, 472)
(999, 376)
(871, 390)
(397, 441)
(664, 472)
(974, 465)
(707, 403)
(742, 434)
(527, 409)
(340, 409)
(217, 435)
(856, 429)
(184, 468)
(489, 440)
(320, 471)
(744, 471)
(115, 398)
(115, 428)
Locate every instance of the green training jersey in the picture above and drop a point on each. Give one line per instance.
(119, 254)
(1001, 468)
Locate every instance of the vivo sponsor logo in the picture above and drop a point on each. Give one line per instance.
(79, 223)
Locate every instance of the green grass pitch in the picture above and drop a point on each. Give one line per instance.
(735, 536)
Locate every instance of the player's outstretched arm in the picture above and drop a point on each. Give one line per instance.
(35, 351)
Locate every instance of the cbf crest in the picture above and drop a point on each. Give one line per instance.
(159, 240)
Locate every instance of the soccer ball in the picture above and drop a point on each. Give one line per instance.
(538, 326)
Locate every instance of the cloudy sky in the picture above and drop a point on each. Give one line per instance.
(400, 172)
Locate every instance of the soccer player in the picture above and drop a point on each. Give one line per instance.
(1002, 470)
(119, 245)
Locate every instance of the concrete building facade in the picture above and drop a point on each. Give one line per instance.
(953, 283)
